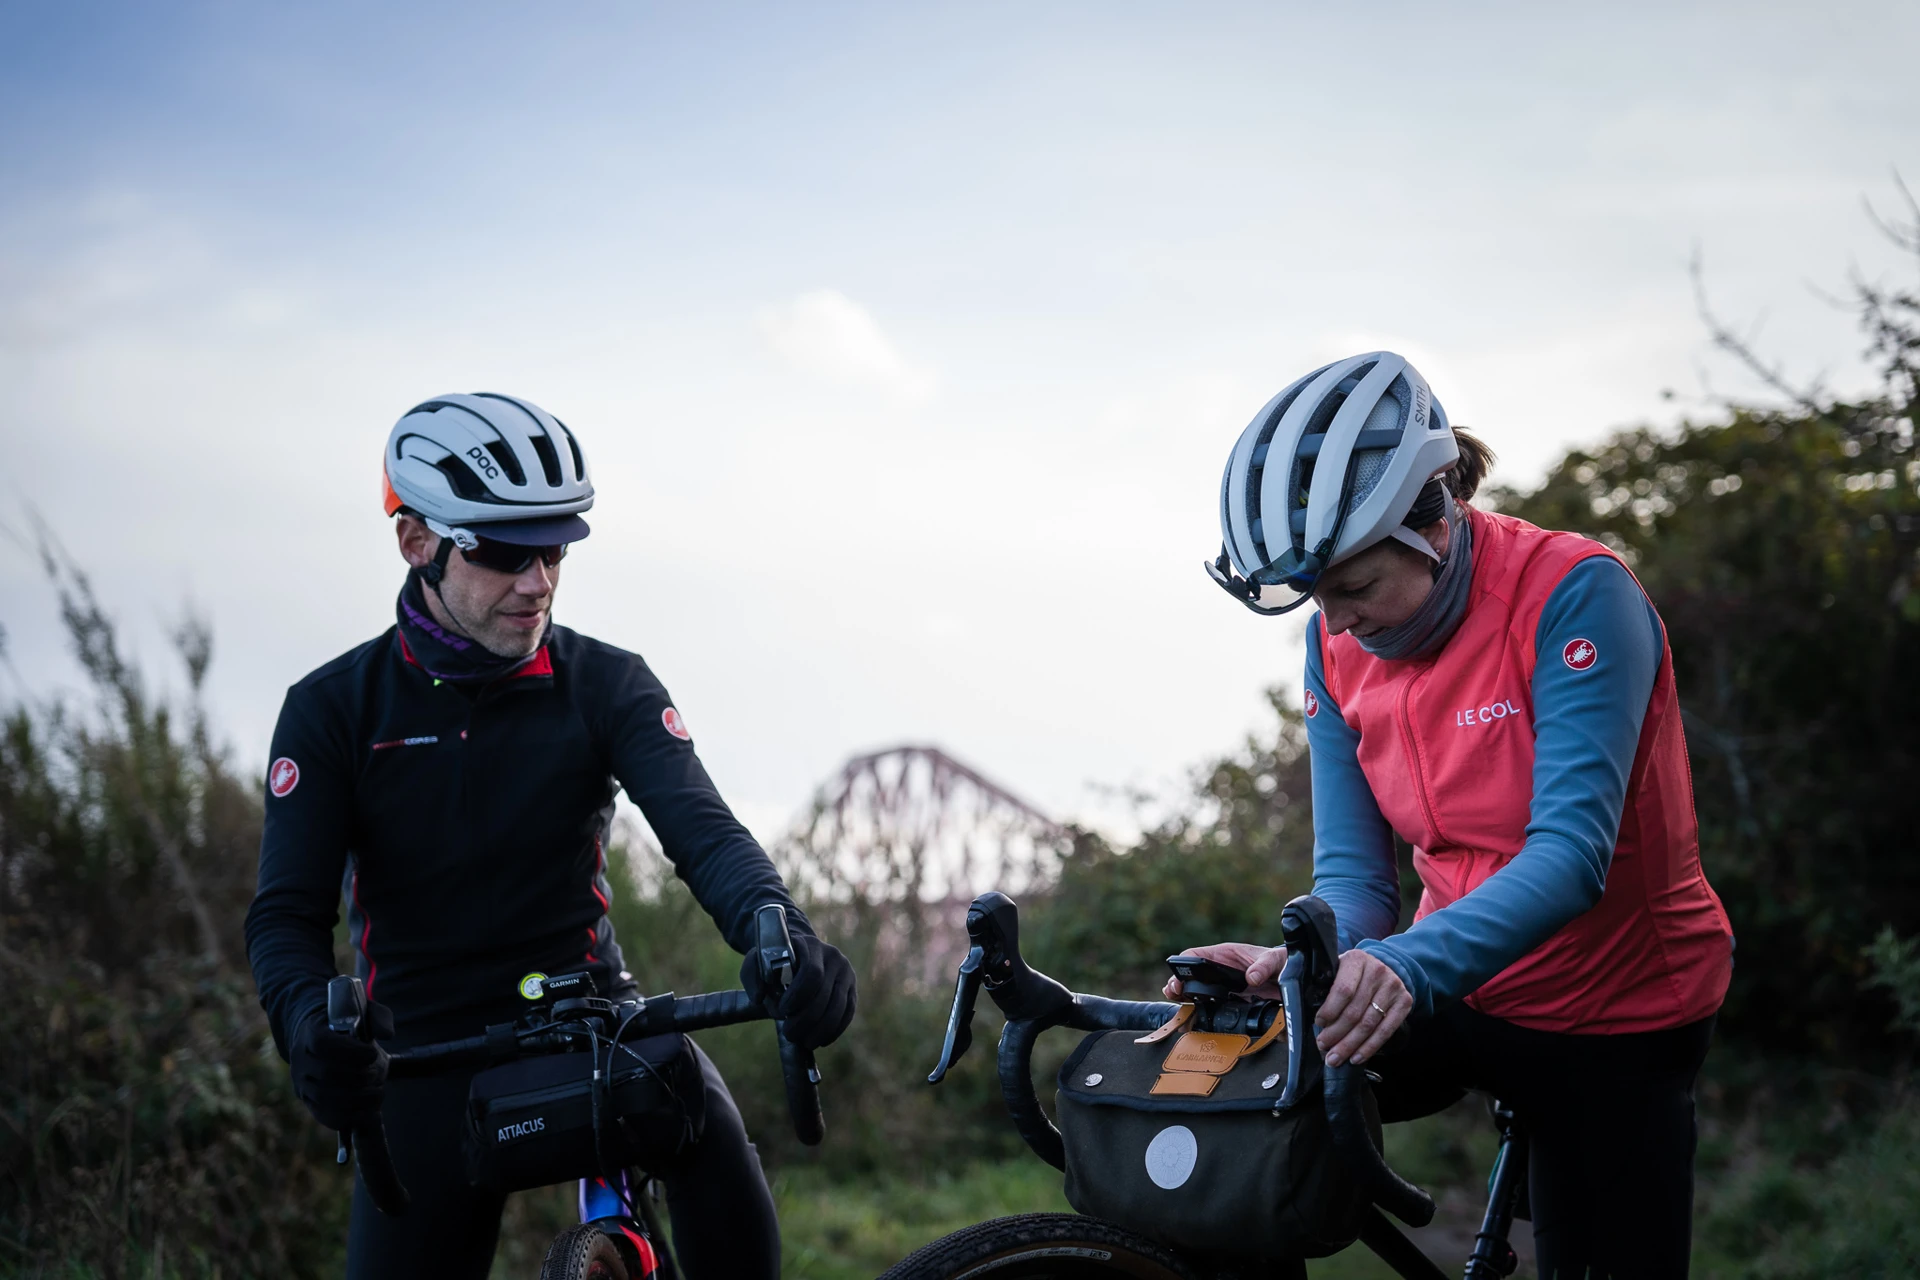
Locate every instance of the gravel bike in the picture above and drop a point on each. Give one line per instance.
(620, 1235)
(1065, 1246)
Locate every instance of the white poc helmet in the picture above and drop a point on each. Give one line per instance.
(1329, 467)
(481, 460)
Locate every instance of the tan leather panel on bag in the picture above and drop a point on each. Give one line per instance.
(1213, 1052)
(1190, 1084)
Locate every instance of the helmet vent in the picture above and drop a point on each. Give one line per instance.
(1257, 464)
(549, 460)
(579, 463)
(503, 454)
(465, 483)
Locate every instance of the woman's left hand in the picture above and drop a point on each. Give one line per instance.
(1366, 1006)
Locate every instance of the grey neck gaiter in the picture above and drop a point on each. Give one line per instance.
(1440, 613)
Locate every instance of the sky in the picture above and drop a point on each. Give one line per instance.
(906, 342)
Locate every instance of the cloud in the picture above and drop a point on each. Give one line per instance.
(827, 335)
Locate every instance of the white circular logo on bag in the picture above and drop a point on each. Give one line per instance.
(1171, 1157)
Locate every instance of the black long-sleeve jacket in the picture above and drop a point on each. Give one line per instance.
(467, 829)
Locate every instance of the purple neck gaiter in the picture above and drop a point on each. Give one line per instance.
(444, 655)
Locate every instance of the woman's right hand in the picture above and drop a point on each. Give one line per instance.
(1262, 965)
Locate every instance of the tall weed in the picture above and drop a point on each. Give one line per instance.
(145, 1122)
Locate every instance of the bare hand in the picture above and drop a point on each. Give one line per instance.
(1262, 964)
(1366, 1006)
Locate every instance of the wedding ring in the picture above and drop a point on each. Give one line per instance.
(1376, 1008)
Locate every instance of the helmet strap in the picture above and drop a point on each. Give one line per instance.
(436, 569)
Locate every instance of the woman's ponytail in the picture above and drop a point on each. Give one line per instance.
(1476, 459)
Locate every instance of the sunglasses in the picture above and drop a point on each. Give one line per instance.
(511, 557)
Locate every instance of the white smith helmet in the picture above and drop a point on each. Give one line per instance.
(482, 459)
(1327, 468)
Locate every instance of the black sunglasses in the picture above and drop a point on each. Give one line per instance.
(511, 557)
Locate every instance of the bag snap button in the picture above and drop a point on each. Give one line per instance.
(1094, 1079)
(1270, 1081)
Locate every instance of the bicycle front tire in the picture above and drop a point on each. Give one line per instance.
(585, 1253)
(1042, 1246)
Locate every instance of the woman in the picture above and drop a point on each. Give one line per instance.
(1502, 698)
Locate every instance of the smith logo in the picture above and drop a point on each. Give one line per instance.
(524, 1129)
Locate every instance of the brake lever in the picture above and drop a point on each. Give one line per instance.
(966, 992)
(775, 945)
(347, 1014)
(1311, 936)
(1023, 993)
(797, 1067)
(346, 1006)
(1300, 1040)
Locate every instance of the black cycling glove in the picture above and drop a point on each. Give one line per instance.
(819, 1001)
(340, 1077)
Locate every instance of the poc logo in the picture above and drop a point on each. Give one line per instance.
(484, 463)
(523, 1129)
(1486, 715)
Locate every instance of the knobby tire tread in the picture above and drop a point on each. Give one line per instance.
(574, 1253)
(952, 1255)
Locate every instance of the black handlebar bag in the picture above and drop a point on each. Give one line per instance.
(530, 1122)
(1178, 1139)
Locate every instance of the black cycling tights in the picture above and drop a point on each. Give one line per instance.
(1611, 1123)
(723, 1219)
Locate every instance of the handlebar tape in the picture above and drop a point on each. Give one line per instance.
(1313, 961)
(803, 1090)
(1085, 1013)
(1344, 1089)
(1016, 1087)
(1094, 1013)
(375, 1163)
(347, 1015)
(718, 1009)
(797, 1069)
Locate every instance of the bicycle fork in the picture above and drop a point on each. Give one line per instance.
(1493, 1255)
(608, 1204)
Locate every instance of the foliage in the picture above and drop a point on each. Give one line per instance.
(1836, 1203)
(1896, 970)
(1782, 548)
(147, 1123)
(1222, 867)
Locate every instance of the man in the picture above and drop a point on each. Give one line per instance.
(455, 778)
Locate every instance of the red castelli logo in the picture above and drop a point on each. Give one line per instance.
(675, 725)
(1579, 654)
(283, 777)
(1313, 705)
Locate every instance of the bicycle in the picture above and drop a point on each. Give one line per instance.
(620, 1235)
(1065, 1246)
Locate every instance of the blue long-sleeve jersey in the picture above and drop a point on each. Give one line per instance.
(1586, 730)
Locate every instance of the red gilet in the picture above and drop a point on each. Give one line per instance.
(1655, 952)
